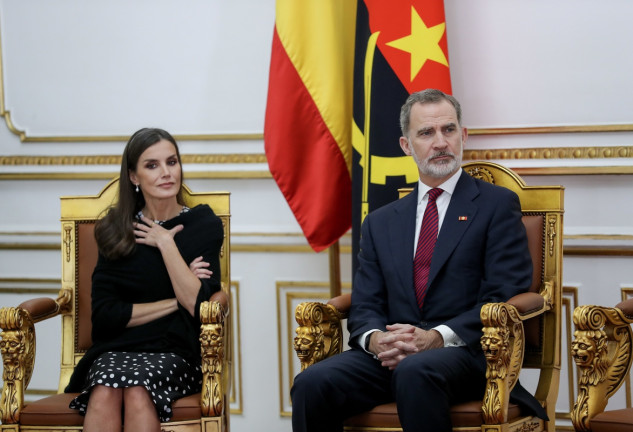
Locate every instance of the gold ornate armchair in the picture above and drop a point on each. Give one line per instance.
(206, 411)
(603, 351)
(524, 332)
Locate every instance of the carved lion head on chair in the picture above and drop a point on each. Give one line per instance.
(495, 342)
(12, 347)
(589, 350)
(309, 345)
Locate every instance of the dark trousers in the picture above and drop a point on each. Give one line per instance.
(424, 386)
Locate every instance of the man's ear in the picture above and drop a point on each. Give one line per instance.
(404, 145)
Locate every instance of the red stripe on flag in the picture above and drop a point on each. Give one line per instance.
(303, 156)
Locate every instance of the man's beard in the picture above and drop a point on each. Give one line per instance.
(436, 170)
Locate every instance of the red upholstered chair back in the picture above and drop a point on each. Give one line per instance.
(79, 258)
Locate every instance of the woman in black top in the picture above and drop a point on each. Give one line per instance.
(158, 260)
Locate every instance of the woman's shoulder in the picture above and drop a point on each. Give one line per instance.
(202, 210)
(203, 214)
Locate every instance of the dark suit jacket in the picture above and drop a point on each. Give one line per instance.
(481, 256)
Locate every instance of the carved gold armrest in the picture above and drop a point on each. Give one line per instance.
(320, 334)
(17, 346)
(18, 355)
(503, 345)
(602, 349)
(212, 333)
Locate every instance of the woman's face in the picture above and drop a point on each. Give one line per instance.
(158, 171)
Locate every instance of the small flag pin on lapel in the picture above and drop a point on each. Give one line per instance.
(462, 218)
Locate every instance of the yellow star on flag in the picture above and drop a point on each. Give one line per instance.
(422, 43)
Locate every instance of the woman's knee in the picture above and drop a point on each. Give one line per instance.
(105, 397)
(136, 397)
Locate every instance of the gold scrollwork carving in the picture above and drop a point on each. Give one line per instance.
(64, 297)
(319, 334)
(224, 241)
(212, 316)
(502, 343)
(17, 346)
(481, 174)
(551, 234)
(67, 241)
(529, 426)
(602, 349)
(547, 291)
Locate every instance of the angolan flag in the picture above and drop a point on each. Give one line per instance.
(400, 48)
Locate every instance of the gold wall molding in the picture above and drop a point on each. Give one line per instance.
(123, 138)
(28, 246)
(606, 251)
(115, 160)
(575, 170)
(552, 129)
(593, 152)
(215, 174)
(217, 158)
(26, 280)
(576, 153)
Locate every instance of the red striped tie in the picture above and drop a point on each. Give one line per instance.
(426, 243)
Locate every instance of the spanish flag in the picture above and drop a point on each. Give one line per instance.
(307, 131)
(400, 48)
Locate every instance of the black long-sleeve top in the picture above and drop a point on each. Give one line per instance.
(142, 278)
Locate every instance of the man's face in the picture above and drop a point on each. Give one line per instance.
(435, 140)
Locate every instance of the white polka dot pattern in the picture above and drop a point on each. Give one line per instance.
(166, 376)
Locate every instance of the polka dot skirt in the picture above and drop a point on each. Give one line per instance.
(166, 377)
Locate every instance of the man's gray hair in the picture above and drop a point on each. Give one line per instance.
(425, 97)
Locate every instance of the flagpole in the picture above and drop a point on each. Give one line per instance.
(334, 254)
(368, 70)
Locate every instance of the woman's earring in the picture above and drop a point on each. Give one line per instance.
(136, 188)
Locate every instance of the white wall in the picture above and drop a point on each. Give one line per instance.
(78, 77)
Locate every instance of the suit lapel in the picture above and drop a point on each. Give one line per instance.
(454, 226)
(401, 237)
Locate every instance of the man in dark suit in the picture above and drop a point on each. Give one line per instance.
(427, 264)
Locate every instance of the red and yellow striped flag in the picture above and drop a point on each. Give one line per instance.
(307, 131)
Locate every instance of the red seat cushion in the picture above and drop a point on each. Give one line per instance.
(465, 414)
(613, 421)
(54, 411)
(51, 411)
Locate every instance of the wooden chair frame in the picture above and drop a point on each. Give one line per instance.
(207, 411)
(603, 350)
(527, 328)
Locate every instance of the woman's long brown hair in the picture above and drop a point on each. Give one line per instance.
(114, 232)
